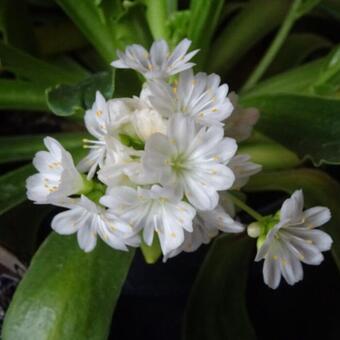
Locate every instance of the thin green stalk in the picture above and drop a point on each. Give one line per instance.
(251, 212)
(156, 14)
(274, 47)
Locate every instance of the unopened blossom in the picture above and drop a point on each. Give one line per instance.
(145, 119)
(206, 226)
(241, 122)
(159, 62)
(199, 96)
(192, 160)
(57, 176)
(293, 240)
(158, 209)
(88, 219)
(103, 120)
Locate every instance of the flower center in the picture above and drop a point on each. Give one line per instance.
(177, 163)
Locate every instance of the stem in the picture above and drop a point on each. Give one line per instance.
(251, 212)
(156, 15)
(274, 47)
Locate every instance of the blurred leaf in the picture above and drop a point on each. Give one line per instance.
(67, 100)
(178, 26)
(12, 184)
(310, 126)
(25, 66)
(67, 294)
(254, 22)
(204, 17)
(217, 305)
(304, 79)
(59, 37)
(21, 148)
(16, 26)
(296, 49)
(91, 20)
(332, 7)
(70, 64)
(157, 14)
(22, 95)
(305, 6)
(262, 153)
(329, 71)
(132, 27)
(319, 189)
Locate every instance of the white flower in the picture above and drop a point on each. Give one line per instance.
(88, 219)
(192, 160)
(102, 120)
(241, 122)
(243, 168)
(57, 178)
(159, 63)
(157, 210)
(207, 225)
(292, 240)
(199, 96)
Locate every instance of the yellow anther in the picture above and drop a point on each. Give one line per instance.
(99, 113)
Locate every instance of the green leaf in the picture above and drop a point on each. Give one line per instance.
(16, 25)
(67, 294)
(254, 22)
(318, 187)
(262, 153)
(217, 305)
(310, 126)
(157, 14)
(329, 74)
(204, 17)
(305, 6)
(21, 148)
(302, 80)
(67, 100)
(27, 67)
(22, 95)
(12, 184)
(178, 26)
(297, 48)
(59, 37)
(332, 7)
(91, 20)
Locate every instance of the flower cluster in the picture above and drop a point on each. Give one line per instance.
(160, 166)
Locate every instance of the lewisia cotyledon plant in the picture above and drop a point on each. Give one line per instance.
(160, 165)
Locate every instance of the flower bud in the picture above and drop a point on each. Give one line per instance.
(254, 230)
(147, 122)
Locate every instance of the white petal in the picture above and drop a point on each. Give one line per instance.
(316, 217)
(87, 238)
(292, 208)
(271, 273)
